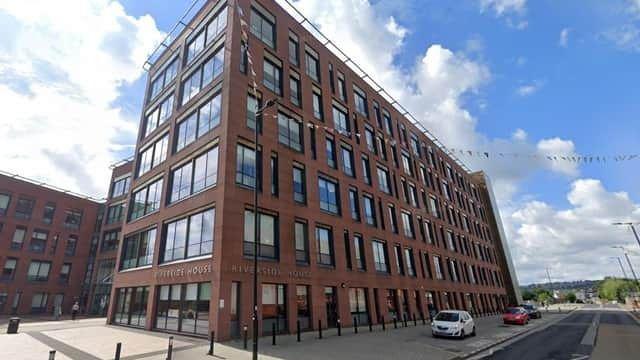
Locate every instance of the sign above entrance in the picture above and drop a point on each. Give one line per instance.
(270, 271)
(183, 271)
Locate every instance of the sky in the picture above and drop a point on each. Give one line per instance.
(533, 78)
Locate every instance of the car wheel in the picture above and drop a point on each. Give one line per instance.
(434, 334)
(473, 333)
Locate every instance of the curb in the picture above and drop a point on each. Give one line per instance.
(502, 341)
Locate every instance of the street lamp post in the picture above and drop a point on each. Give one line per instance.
(256, 223)
(635, 278)
(633, 229)
(624, 273)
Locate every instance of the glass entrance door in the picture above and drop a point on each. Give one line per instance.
(331, 301)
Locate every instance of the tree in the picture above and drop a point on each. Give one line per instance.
(528, 295)
(543, 295)
(571, 297)
(616, 289)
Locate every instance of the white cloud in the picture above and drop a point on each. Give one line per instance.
(502, 7)
(61, 66)
(519, 135)
(529, 89)
(564, 37)
(625, 37)
(575, 242)
(559, 148)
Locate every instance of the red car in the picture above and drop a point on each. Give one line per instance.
(516, 315)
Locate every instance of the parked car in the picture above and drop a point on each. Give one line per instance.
(453, 323)
(533, 311)
(515, 315)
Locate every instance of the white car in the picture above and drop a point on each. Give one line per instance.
(454, 323)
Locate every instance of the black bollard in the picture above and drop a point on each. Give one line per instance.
(170, 348)
(404, 319)
(339, 328)
(273, 334)
(245, 329)
(118, 350)
(395, 322)
(415, 322)
(370, 324)
(355, 324)
(211, 341)
(319, 329)
(384, 326)
(52, 355)
(298, 330)
(423, 321)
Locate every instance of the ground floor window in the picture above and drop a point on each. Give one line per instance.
(392, 304)
(304, 310)
(274, 308)
(39, 302)
(331, 301)
(234, 305)
(3, 300)
(131, 306)
(358, 305)
(184, 308)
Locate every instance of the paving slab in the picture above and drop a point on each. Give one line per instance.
(25, 347)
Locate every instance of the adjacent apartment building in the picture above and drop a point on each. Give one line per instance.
(360, 214)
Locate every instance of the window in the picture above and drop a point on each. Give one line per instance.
(195, 46)
(48, 213)
(354, 204)
(358, 305)
(369, 210)
(153, 155)
(246, 170)
(39, 302)
(200, 122)
(137, 249)
(193, 298)
(294, 50)
(217, 25)
(453, 270)
(115, 214)
(299, 185)
(406, 164)
(397, 251)
(267, 239)
(324, 244)
(413, 195)
(471, 274)
(387, 122)
(263, 27)
(340, 120)
(342, 89)
(450, 244)
(347, 161)
(189, 237)
(347, 249)
(253, 104)
(384, 180)
(312, 65)
(302, 242)
(303, 306)
(294, 90)
(366, 170)
(146, 200)
(65, 272)
(39, 271)
(5, 199)
(438, 267)
(429, 232)
(110, 241)
(329, 196)
(274, 174)
(193, 177)
(18, 238)
(24, 208)
(330, 150)
(316, 98)
(158, 115)
(272, 77)
(70, 246)
(163, 79)
(370, 139)
(407, 225)
(433, 206)
(290, 132)
(203, 76)
(38, 241)
(120, 187)
(382, 149)
(380, 256)
(361, 101)
(358, 244)
(393, 220)
(9, 270)
(408, 258)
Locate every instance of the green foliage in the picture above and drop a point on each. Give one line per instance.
(528, 295)
(571, 297)
(538, 294)
(616, 289)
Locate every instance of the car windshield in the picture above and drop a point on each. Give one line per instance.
(447, 316)
(513, 311)
(529, 307)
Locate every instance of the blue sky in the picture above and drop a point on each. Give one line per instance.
(532, 77)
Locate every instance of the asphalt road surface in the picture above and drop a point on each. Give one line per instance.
(591, 333)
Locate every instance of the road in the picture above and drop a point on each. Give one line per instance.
(590, 333)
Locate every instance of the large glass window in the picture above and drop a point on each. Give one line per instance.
(253, 104)
(189, 237)
(115, 214)
(347, 161)
(272, 76)
(438, 267)
(72, 219)
(24, 208)
(65, 272)
(369, 210)
(202, 76)
(197, 43)
(289, 132)
(137, 249)
(153, 155)
(199, 123)
(38, 241)
(312, 65)
(316, 98)
(358, 305)
(380, 256)
(384, 180)
(39, 302)
(407, 225)
(131, 306)
(18, 238)
(294, 51)
(366, 170)
(5, 199)
(164, 78)
(299, 185)
(48, 213)
(246, 170)
(195, 176)
(361, 101)
(340, 120)
(397, 252)
(408, 258)
(39, 270)
(330, 150)
(324, 245)
(354, 204)
(9, 269)
(302, 242)
(120, 187)
(70, 246)
(274, 308)
(267, 238)
(158, 115)
(184, 308)
(358, 244)
(329, 195)
(304, 306)
(146, 200)
(110, 240)
(294, 90)
(263, 27)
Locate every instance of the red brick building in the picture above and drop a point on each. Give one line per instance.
(361, 214)
(46, 236)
